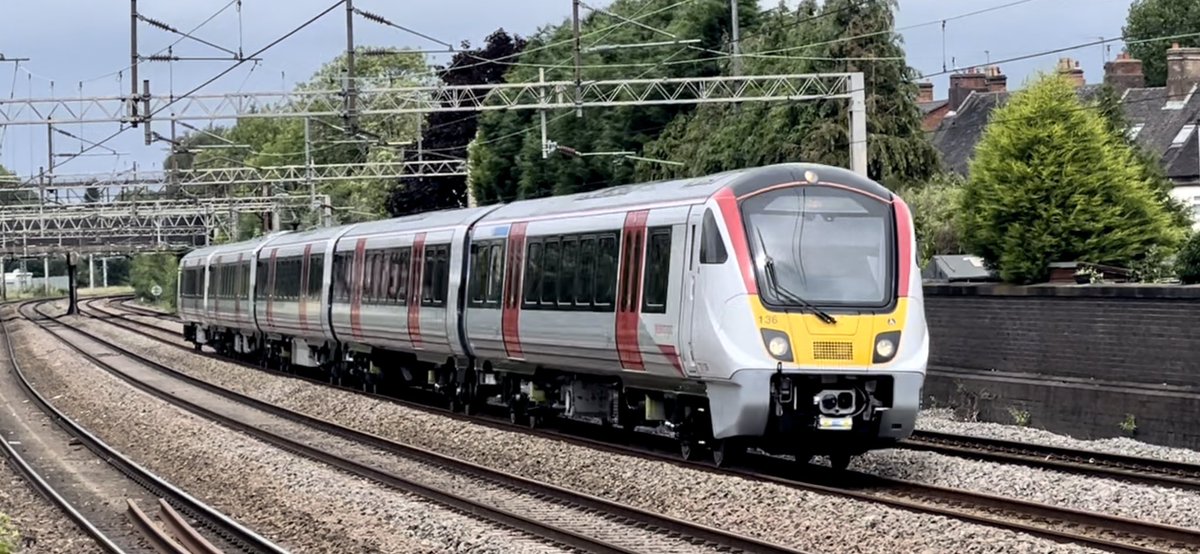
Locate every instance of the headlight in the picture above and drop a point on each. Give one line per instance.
(778, 344)
(885, 346)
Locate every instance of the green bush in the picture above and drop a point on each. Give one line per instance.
(1187, 265)
(8, 536)
(1051, 182)
(934, 207)
(155, 269)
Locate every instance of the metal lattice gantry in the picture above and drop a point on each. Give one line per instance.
(125, 225)
(63, 222)
(246, 175)
(539, 95)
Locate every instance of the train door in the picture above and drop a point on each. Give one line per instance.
(687, 303)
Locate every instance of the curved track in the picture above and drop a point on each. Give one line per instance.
(1148, 471)
(231, 535)
(566, 518)
(1112, 533)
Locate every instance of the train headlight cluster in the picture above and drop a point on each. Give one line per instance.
(885, 346)
(778, 344)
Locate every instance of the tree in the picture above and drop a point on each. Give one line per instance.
(1051, 182)
(262, 142)
(1149, 19)
(446, 134)
(506, 158)
(1187, 265)
(1108, 102)
(811, 40)
(934, 207)
(149, 270)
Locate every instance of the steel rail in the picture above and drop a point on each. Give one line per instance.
(41, 485)
(218, 522)
(912, 496)
(157, 538)
(1133, 468)
(685, 530)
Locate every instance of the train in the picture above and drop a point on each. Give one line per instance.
(776, 308)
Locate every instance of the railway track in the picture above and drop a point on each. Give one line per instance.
(1107, 532)
(566, 518)
(180, 536)
(1129, 468)
(1136, 469)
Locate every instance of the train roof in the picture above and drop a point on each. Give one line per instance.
(230, 249)
(691, 190)
(419, 222)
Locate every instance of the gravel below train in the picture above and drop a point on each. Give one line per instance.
(776, 513)
(303, 505)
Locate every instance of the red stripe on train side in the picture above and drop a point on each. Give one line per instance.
(304, 263)
(737, 235)
(904, 239)
(672, 354)
(356, 288)
(416, 270)
(510, 318)
(629, 293)
(271, 288)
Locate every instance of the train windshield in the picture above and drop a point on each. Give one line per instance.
(821, 245)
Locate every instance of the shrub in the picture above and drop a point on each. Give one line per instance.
(1051, 182)
(1187, 265)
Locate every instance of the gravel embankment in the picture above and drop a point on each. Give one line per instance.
(40, 525)
(773, 512)
(943, 420)
(302, 505)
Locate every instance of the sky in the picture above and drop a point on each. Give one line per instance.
(77, 47)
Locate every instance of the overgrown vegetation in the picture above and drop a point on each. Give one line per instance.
(150, 270)
(1187, 264)
(934, 207)
(9, 537)
(1051, 182)
(810, 40)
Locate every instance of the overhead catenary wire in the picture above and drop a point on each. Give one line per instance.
(201, 86)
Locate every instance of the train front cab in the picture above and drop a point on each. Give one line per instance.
(822, 348)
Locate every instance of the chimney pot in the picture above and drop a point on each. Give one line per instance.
(1183, 71)
(1124, 73)
(1069, 68)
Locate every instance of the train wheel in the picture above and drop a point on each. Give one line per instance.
(690, 450)
(839, 461)
(726, 453)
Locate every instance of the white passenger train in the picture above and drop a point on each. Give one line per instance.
(777, 307)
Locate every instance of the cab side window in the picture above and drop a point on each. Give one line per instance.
(712, 246)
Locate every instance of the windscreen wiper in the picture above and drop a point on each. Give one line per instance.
(780, 290)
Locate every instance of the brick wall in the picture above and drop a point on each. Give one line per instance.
(1069, 359)
(1139, 334)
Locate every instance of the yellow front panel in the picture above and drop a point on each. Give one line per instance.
(848, 343)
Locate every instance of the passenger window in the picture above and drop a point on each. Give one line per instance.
(550, 273)
(658, 269)
(495, 275)
(712, 246)
(479, 270)
(585, 277)
(403, 259)
(566, 281)
(606, 270)
(533, 273)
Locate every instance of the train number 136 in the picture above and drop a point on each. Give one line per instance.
(769, 319)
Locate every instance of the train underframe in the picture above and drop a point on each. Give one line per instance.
(810, 415)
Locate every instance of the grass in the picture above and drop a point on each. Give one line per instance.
(8, 536)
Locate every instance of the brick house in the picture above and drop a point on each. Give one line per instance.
(1163, 120)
